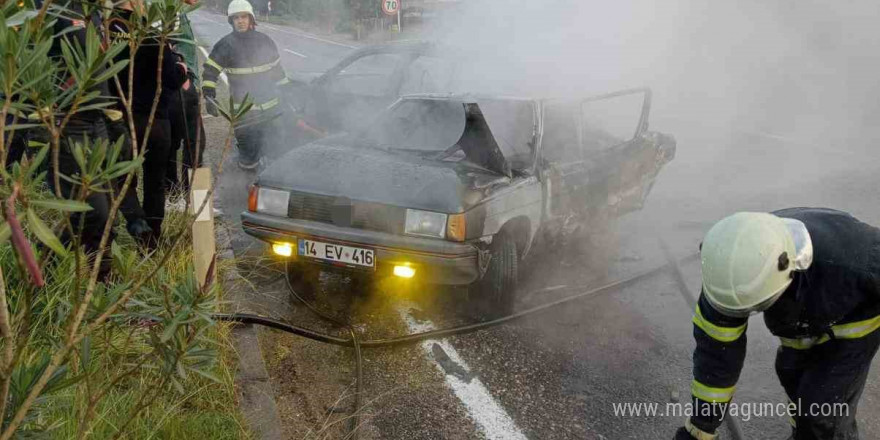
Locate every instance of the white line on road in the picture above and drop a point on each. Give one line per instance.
(295, 53)
(222, 75)
(201, 17)
(495, 423)
(304, 35)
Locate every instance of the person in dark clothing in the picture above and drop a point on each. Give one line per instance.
(130, 207)
(186, 126)
(83, 125)
(186, 115)
(157, 141)
(18, 143)
(251, 61)
(815, 273)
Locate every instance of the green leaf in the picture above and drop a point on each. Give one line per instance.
(20, 17)
(123, 168)
(79, 156)
(96, 158)
(12, 127)
(207, 374)
(86, 352)
(5, 232)
(44, 233)
(62, 205)
(115, 149)
(39, 158)
(111, 70)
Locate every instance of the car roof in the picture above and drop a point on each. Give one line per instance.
(467, 98)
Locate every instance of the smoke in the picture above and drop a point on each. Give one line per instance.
(801, 69)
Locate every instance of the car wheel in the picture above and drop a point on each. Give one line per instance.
(495, 293)
(304, 280)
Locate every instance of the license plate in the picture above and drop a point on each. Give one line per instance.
(337, 253)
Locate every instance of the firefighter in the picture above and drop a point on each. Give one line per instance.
(158, 140)
(185, 115)
(251, 61)
(815, 273)
(88, 125)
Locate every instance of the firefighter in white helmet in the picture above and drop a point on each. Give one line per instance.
(815, 274)
(252, 64)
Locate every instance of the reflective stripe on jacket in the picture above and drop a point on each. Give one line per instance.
(252, 65)
(838, 297)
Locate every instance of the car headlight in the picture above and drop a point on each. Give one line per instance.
(429, 224)
(272, 201)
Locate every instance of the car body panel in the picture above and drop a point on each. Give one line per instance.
(545, 172)
(437, 261)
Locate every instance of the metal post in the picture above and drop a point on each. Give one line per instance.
(204, 246)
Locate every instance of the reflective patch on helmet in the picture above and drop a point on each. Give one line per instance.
(803, 244)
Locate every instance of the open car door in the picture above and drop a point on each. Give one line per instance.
(623, 158)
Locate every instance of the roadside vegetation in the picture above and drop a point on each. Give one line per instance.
(132, 355)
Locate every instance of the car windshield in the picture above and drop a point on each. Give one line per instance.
(422, 125)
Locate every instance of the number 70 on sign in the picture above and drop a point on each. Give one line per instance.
(390, 7)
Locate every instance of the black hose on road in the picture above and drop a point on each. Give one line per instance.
(359, 361)
(245, 318)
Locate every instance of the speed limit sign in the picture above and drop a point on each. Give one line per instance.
(390, 7)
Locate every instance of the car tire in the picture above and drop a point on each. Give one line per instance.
(304, 279)
(495, 293)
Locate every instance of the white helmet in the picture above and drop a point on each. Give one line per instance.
(239, 6)
(748, 259)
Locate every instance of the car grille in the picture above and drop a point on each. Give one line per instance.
(343, 212)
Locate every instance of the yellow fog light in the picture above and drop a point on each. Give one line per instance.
(404, 271)
(283, 249)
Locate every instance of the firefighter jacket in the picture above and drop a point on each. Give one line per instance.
(838, 297)
(145, 66)
(253, 66)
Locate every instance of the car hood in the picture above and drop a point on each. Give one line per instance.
(378, 176)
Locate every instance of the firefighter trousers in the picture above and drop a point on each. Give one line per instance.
(825, 382)
(155, 168)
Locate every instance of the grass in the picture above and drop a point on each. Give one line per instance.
(200, 405)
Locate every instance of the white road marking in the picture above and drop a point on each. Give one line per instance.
(488, 414)
(309, 36)
(295, 53)
(222, 75)
(201, 17)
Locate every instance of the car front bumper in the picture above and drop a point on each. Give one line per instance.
(435, 261)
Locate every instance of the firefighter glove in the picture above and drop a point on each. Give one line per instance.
(682, 434)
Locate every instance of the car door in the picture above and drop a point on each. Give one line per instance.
(563, 168)
(617, 149)
(351, 94)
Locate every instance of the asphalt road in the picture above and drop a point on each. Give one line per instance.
(558, 375)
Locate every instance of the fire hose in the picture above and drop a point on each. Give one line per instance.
(594, 292)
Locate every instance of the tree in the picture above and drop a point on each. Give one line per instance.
(41, 93)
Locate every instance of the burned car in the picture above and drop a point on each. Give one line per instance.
(367, 81)
(457, 190)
